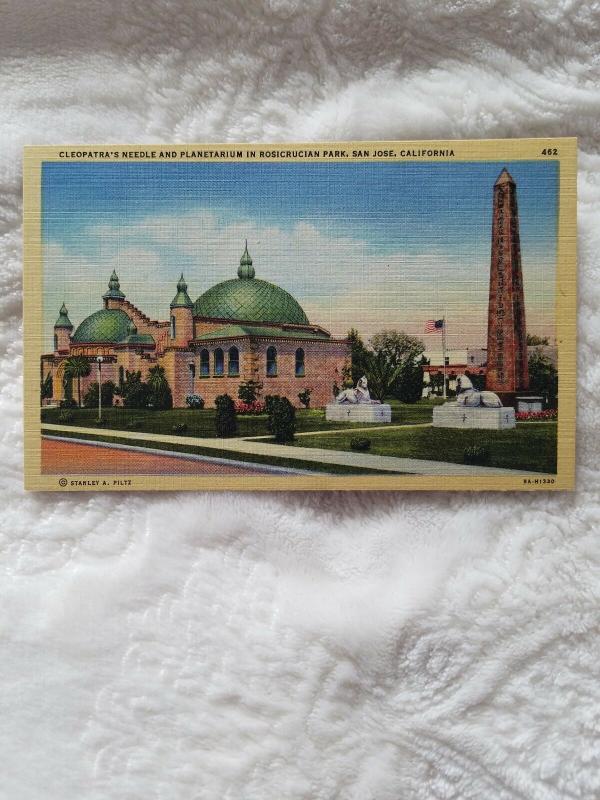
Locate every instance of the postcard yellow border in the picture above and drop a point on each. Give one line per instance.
(464, 150)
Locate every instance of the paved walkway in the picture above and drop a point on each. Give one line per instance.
(60, 455)
(413, 466)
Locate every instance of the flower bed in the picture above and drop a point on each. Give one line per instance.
(255, 407)
(537, 416)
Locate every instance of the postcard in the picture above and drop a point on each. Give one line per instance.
(322, 316)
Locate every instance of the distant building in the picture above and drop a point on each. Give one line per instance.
(471, 360)
(238, 330)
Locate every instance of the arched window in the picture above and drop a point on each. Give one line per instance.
(172, 326)
(56, 341)
(204, 363)
(299, 363)
(219, 362)
(271, 361)
(234, 361)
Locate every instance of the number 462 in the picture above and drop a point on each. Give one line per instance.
(550, 151)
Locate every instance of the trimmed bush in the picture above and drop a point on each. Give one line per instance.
(476, 455)
(225, 418)
(194, 401)
(66, 416)
(304, 397)
(90, 399)
(68, 402)
(282, 419)
(180, 428)
(359, 444)
(133, 423)
(249, 391)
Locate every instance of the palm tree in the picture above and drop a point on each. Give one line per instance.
(77, 367)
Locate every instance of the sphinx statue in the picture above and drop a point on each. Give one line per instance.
(468, 396)
(359, 395)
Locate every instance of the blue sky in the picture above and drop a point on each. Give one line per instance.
(367, 244)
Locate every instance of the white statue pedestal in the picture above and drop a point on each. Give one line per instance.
(451, 415)
(358, 412)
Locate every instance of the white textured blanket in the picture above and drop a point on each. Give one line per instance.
(301, 647)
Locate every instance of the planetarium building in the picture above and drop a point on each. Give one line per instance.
(238, 330)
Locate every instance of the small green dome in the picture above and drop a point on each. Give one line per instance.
(63, 320)
(250, 299)
(107, 325)
(182, 298)
(114, 288)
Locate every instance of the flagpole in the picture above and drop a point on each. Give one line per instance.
(444, 351)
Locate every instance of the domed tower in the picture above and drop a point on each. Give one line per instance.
(246, 270)
(62, 331)
(114, 296)
(182, 320)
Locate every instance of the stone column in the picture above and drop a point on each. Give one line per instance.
(507, 370)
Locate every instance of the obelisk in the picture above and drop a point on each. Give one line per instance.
(507, 371)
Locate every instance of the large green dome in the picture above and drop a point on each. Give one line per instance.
(106, 325)
(250, 299)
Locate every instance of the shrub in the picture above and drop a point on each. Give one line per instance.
(282, 419)
(269, 400)
(249, 391)
(476, 455)
(90, 399)
(540, 416)
(194, 401)
(66, 416)
(68, 402)
(225, 418)
(180, 428)
(304, 397)
(135, 393)
(133, 423)
(360, 444)
(250, 408)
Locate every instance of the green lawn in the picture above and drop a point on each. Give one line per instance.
(202, 422)
(526, 447)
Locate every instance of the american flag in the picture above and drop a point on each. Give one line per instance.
(433, 325)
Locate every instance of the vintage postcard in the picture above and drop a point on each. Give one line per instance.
(350, 315)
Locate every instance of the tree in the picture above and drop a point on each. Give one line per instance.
(46, 387)
(90, 398)
(135, 392)
(160, 395)
(436, 381)
(282, 419)
(77, 367)
(543, 378)
(225, 417)
(409, 386)
(249, 391)
(304, 397)
(358, 355)
(381, 375)
(477, 380)
(403, 353)
(535, 341)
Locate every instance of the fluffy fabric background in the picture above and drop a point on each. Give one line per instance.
(246, 647)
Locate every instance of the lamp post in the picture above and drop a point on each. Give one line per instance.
(99, 361)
